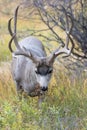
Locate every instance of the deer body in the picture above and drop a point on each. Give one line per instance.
(23, 68)
(31, 67)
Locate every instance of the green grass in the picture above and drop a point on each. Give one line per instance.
(25, 116)
(5, 54)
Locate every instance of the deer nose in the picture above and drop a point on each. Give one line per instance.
(44, 88)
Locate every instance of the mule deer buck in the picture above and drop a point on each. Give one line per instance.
(31, 67)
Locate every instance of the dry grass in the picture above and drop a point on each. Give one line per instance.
(6, 83)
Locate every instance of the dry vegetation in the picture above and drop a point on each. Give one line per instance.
(65, 106)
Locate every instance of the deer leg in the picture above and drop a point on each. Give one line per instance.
(19, 89)
(40, 100)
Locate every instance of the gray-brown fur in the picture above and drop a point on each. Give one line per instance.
(23, 68)
(31, 67)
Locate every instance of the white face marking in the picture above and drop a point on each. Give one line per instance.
(43, 80)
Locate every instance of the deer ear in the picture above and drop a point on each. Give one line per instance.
(30, 54)
(35, 59)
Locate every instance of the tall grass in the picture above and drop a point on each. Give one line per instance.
(64, 108)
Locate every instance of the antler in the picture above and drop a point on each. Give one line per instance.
(20, 51)
(13, 34)
(23, 51)
(64, 49)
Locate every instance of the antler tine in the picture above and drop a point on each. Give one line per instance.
(72, 24)
(15, 28)
(9, 26)
(68, 32)
(14, 34)
(10, 42)
(11, 33)
(67, 27)
(15, 19)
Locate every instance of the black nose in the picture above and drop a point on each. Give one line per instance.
(44, 88)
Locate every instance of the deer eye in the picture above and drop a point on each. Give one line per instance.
(50, 70)
(36, 71)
